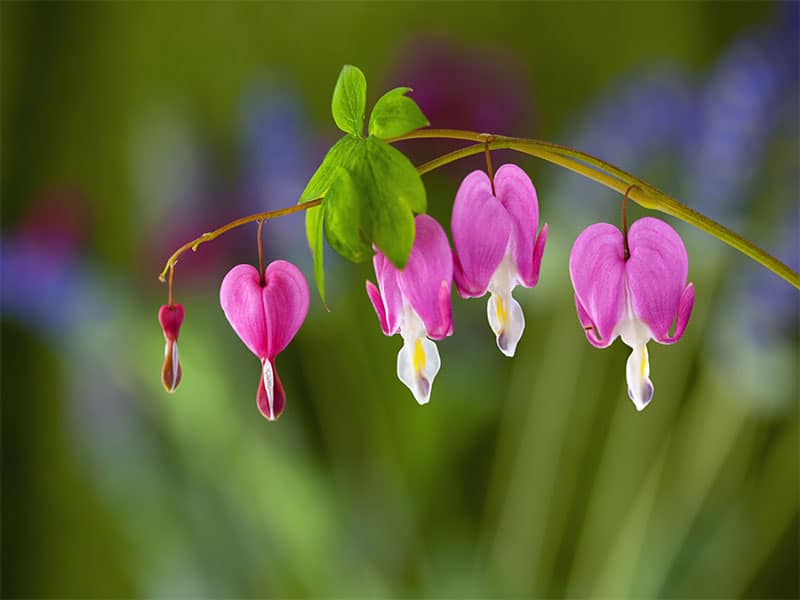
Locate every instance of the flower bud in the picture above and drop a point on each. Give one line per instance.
(171, 318)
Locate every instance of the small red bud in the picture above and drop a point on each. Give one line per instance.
(170, 318)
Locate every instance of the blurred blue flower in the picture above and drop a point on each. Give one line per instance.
(753, 340)
(734, 117)
(277, 159)
(43, 275)
(181, 189)
(641, 123)
(88, 319)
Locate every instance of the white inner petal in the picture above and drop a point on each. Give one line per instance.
(418, 361)
(504, 278)
(506, 320)
(269, 386)
(175, 365)
(505, 313)
(637, 373)
(635, 333)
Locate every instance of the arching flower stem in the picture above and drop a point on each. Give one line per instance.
(584, 164)
(211, 235)
(612, 177)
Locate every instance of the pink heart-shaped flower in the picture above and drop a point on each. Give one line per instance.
(266, 318)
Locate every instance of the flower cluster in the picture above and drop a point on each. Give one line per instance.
(629, 284)
(494, 227)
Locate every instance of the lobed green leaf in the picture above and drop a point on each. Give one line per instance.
(374, 202)
(371, 190)
(340, 154)
(395, 114)
(349, 103)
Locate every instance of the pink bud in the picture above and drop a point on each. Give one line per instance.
(170, 318)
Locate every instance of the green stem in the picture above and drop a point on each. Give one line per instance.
(615, 178)
(211, 235)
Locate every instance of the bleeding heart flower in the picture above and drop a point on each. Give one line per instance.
(637, 298)
(170, 317)
(415, 302)
(496, 246)
(266, 316)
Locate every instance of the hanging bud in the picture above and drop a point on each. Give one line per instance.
(171, 318)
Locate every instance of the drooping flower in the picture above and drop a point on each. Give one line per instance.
(497, 247)
(637, 297)
(266, 316)
(171, 317)
(415, 303)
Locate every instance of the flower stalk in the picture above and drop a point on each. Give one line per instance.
(639, 191)
(612, 177)
(212, 235)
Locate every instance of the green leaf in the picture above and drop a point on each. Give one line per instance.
(395, 114)
(371, 190)
(373, 200)
(345, 225)
(340, 154)
(349, 102)
(314, 220)
(398, 194)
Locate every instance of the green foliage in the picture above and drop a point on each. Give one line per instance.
(350, 100)
(395, 114)
(371, 190)
(373, 200)
(319, 184)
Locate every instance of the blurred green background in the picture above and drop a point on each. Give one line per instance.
(128, 129)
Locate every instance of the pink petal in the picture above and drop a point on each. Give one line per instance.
(532, 278)
(387, 274)
(657, 271)
(377, 303)
(285, 303)
(682, 319)
(516, 193)
(171, 318)
(446, 311)
(481, 229)
(242, 302)
(589, 328)
(597, 268)
(427, 277)
(265, 318)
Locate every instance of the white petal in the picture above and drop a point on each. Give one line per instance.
(506, 320)
(637, 372)
(171, 363)
(176, 365)
(269, 384)
(418, 363)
